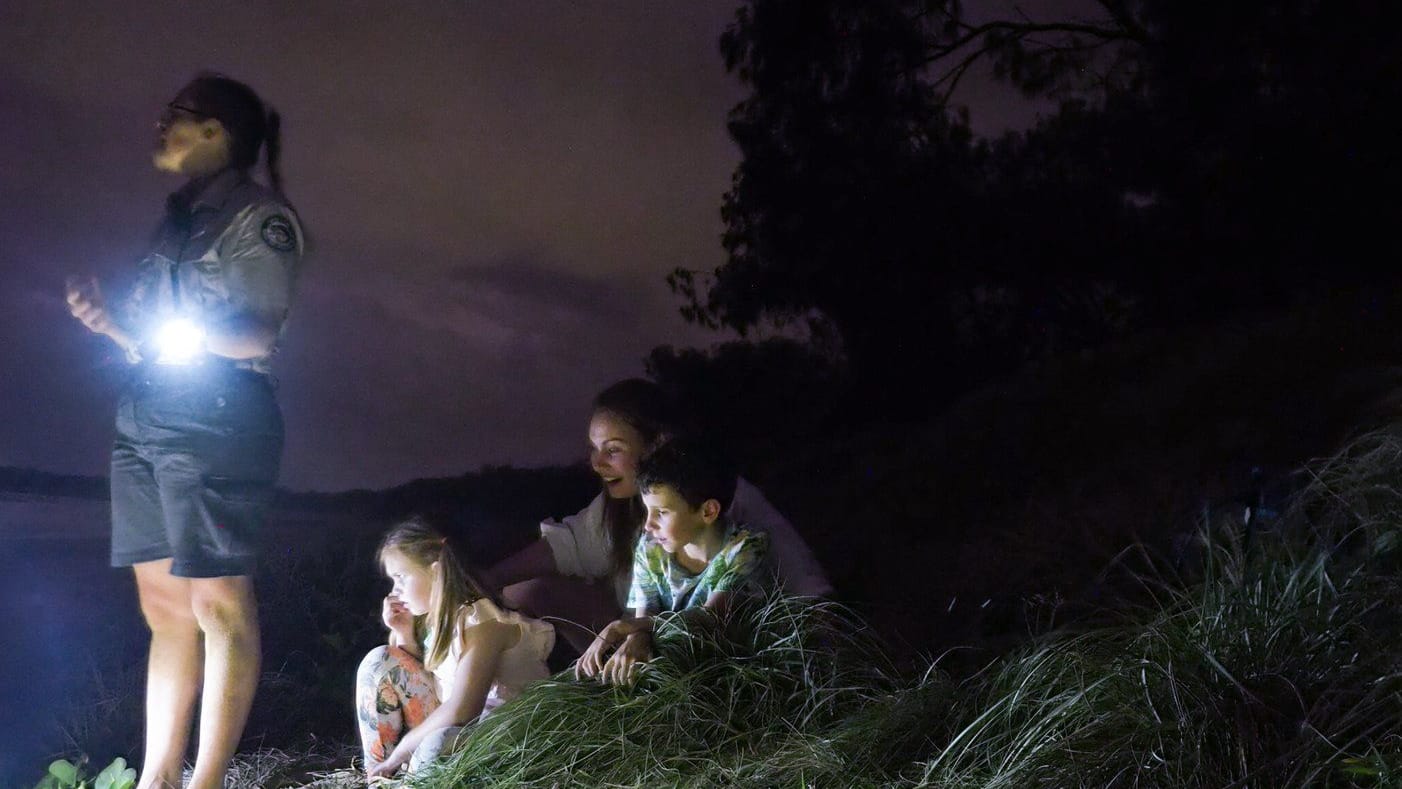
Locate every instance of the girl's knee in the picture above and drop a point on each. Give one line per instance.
(377, 664)
(373, 665)
(388, 656)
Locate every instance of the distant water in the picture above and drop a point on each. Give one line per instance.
(33, 517)
(65, 612)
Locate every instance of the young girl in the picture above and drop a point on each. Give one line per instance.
(580, 572)
(414, 695)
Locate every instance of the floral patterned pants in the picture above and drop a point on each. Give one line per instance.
(393, 694)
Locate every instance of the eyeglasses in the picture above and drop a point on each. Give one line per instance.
(174, 112)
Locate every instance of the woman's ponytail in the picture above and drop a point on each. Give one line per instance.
(273, 142)
(250, 122)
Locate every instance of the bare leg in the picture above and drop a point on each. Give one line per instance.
(228, 615)
(578, 610)
(172, 672)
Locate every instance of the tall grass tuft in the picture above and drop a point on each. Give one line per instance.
(1277, 666)
(721, 698)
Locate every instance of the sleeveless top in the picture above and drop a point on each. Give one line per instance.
(518, 666)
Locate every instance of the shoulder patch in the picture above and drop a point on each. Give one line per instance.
(278, 233)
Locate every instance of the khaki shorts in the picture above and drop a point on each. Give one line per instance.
(193, 469)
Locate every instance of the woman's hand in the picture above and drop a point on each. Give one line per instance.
(85, 302)
(592, 661)
(622, 668)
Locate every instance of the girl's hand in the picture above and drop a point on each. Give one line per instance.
(384, 770)
(397, 617)
(622, 668)
(592, 661)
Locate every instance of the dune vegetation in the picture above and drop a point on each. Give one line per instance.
(1265, 650)
(1268, 656)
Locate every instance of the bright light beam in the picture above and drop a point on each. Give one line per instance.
(180, 341)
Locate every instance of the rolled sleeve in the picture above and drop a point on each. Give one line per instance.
(579, 542)
(260, 255)
(740, 567)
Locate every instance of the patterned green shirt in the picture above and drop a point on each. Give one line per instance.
(661, 583)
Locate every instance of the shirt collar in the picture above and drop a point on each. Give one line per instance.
(208, 191)
(729, 532)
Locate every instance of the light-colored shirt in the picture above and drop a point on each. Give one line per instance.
(227, 247)
(583, 547)
(518, 666)
(661, 583)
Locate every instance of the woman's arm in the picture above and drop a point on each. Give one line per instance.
(260, 254)
(534, 561)
(244, 336)
(472, 681)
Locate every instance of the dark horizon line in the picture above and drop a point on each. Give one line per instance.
(37, 481)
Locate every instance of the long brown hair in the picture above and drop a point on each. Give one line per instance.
(644, 406)
(454, 584)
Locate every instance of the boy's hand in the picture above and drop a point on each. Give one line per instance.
(592, 661)
(622, 668)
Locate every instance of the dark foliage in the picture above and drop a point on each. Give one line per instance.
(1204, 161)
(755, 401)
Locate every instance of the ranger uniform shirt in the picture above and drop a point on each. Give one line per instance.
(227, 247)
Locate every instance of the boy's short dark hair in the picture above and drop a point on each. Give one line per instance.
(695, 470)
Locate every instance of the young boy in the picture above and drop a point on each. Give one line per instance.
(690, 554)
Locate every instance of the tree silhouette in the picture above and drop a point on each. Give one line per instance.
(1204, 160)
(847, 161)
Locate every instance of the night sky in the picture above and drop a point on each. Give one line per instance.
(495, 193)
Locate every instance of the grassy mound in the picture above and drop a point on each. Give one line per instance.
(724, 702)
(1275, 660)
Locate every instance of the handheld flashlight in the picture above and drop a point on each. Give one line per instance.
(179, 341)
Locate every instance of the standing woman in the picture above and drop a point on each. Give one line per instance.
(199, 433)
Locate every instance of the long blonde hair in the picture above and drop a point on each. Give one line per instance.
(454, 584)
